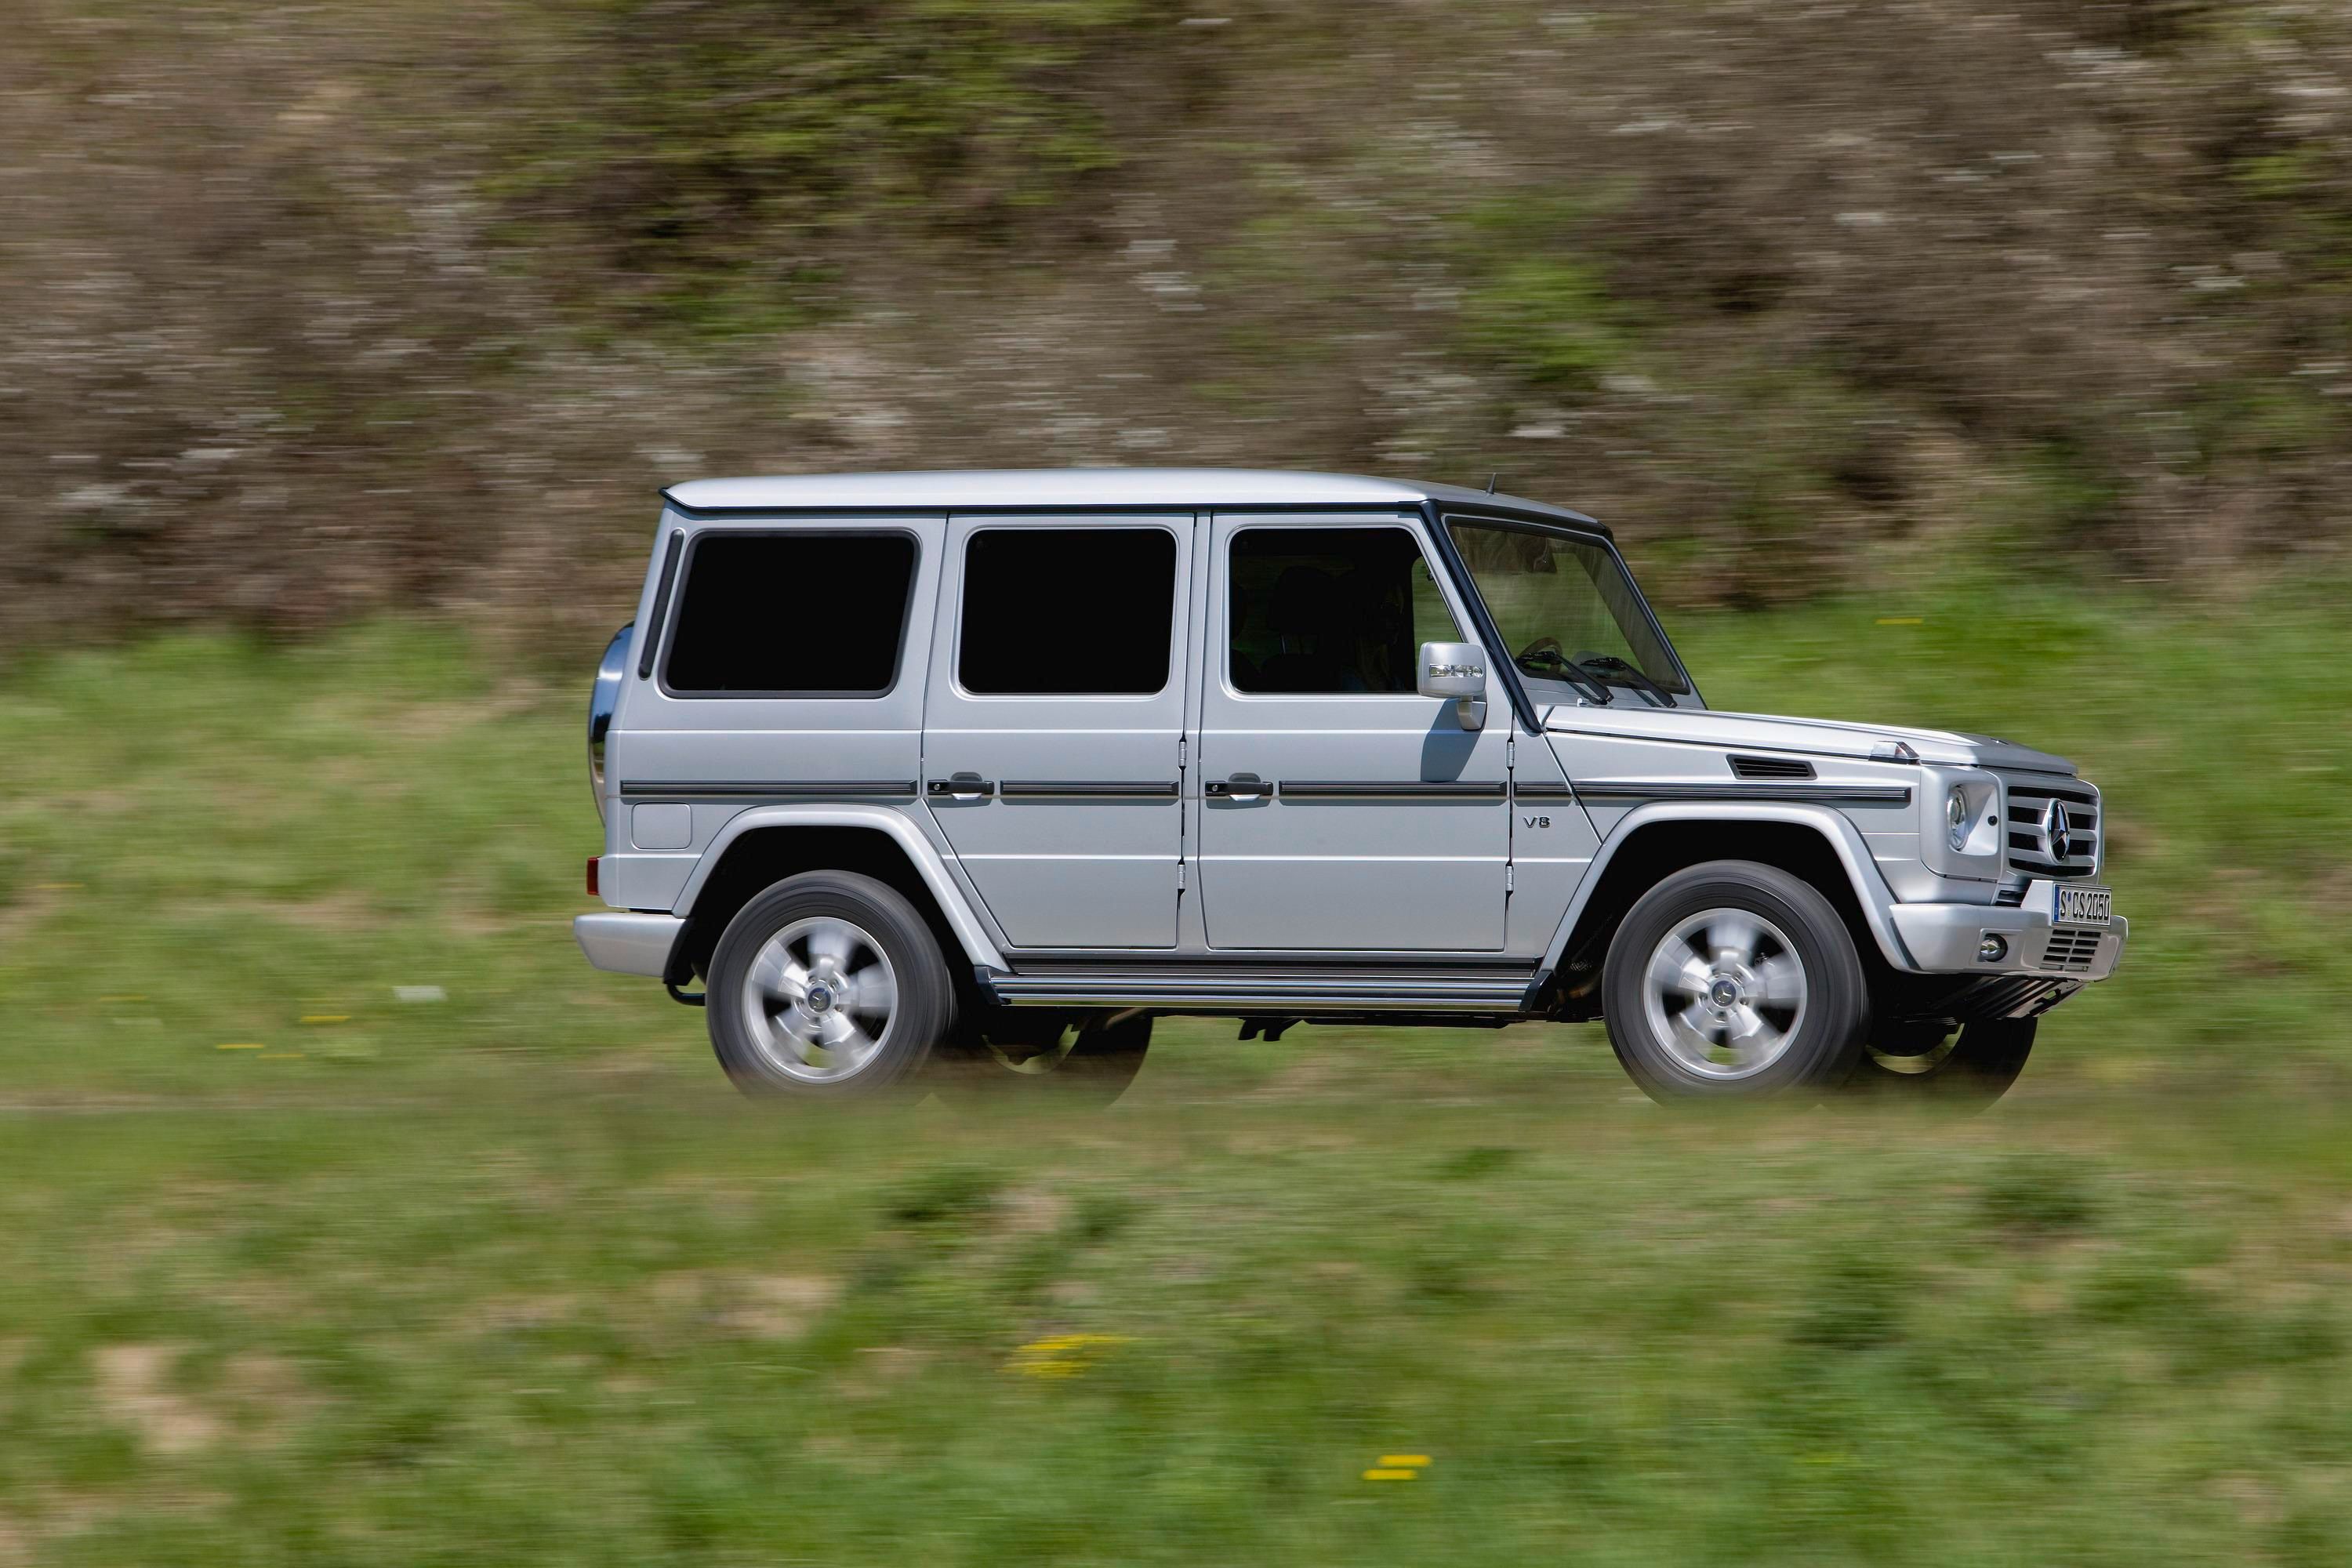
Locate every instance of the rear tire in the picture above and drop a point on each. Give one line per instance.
(1734, 981)
(827, 985)
(1972, 1068)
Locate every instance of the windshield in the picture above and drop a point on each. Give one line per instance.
(1557, 600)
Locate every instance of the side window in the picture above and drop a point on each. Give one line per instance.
(1324, 611)
(1066, 612)
(792, 614)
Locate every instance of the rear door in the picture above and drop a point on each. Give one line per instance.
(1341, 809)
(1053, 723)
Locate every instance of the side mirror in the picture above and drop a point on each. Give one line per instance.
(1455, 670)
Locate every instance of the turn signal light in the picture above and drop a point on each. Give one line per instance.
(592, 876)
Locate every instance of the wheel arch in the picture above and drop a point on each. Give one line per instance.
(1654, 841)
(762, 845)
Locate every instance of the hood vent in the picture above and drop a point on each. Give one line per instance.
(1771, 768)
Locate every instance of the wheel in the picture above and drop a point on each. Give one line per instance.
(1733, 980)
(827, 984)
(1081, 1060)
(1975, 1065)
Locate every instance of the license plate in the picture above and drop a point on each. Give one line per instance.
(2085, 906)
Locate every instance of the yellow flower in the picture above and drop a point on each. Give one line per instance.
(1064, 1355)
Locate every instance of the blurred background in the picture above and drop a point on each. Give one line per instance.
(1937, 363)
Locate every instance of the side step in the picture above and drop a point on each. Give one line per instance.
(1266, 990)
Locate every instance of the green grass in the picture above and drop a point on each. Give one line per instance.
(514, 1278)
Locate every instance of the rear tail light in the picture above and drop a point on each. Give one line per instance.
(592, 863)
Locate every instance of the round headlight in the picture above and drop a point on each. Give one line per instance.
(1956, 816)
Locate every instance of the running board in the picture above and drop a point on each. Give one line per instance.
(1267, 991)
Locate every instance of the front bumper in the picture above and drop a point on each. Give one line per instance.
(1944, 939)
(628, 943)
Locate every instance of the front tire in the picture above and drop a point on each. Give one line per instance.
(1972, 1068)
(827, 985)
(1734, 981)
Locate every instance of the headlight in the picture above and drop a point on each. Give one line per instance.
(1959, 822)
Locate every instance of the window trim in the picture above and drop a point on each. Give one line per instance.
(1179, 593)
(1402, 524)
(686, 578)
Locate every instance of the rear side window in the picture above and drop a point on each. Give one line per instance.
(792, 614)
(1067, 611)
(1331, 611)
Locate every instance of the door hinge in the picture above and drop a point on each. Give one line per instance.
(1510, 753)
(1182, 752)
(1509, 877)
(1179, 876)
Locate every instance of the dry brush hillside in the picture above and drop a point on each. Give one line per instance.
(315, 308)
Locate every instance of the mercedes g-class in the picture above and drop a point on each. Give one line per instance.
(937, 776)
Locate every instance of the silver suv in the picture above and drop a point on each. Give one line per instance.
(975, 775)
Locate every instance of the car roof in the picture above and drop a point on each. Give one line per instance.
(1056, 489)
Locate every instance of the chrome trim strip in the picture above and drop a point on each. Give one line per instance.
(1815, 794)
(1079, 789)
(1131, 989)
(729, 789)
(1387, 789)
(1243, 986)
(1287, 966)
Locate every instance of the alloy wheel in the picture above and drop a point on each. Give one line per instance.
(819, 999)
(1724, 992)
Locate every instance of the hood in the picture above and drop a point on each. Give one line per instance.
(1820, 737)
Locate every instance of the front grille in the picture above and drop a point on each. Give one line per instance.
(2030, 795)
(2071, 949)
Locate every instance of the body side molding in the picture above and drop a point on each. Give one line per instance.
(1742, 790)
(1390, 789)
(1080, 789)
(725, 789)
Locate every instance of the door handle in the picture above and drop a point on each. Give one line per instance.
(1241, 786)
(959, 787)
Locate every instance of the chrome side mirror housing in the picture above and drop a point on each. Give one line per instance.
(1456, 671)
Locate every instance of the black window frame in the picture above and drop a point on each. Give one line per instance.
(1107, 522)
(787, 530)
(1432, 559)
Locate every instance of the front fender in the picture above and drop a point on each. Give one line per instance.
(919, 849)
(1870, 889)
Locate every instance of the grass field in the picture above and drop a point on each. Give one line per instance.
(301, 1272)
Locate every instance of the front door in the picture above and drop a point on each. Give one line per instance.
(1051, 728)
(1340, 808)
